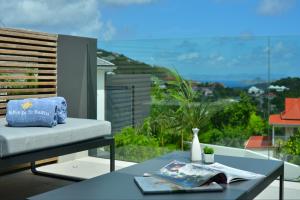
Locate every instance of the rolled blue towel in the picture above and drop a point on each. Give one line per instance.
(31, 112)
(61, 108)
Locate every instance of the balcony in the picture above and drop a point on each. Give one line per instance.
(91, 167)
(155, 91)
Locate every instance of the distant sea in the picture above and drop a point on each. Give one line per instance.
(234, 84)
(230, 83)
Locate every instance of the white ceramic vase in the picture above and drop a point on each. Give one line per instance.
(208, 158)
(195, 149)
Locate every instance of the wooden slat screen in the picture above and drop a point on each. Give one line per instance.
(28, 65)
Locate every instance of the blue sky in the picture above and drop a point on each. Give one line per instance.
(195, 18)
(212, 39)
(217, 58)
(147, 19)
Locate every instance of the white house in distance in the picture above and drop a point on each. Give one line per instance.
(255, 91)
(278, 88)
(103, 67)
(207, 91)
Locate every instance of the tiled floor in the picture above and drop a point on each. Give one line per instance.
(86, 167)
(19, 185)
(291, 191)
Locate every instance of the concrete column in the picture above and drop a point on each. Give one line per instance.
(76, 79)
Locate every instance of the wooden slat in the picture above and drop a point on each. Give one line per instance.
(29, 90)
(26, 47)
(28, 31)
(27, 35)
(32, 71)
(27, 53)
(26, 83)
(24, 64)
(27, 41)
(27, 59)
(27, 96)
(28, 77)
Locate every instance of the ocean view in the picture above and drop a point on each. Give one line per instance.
(129, 86)
(234, 61)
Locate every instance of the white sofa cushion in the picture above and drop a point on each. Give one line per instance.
(16, 140)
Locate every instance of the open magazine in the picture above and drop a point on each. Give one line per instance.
(153, 185)
(190, 175)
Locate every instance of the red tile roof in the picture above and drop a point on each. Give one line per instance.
(257, 142)
(277, 120)
(292, 109)
(291, 115)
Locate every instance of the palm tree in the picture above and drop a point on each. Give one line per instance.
(192, 110)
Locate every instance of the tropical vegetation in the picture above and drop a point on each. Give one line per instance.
(228, 117)
(177, 109)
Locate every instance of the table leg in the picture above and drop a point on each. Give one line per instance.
(281, 188)
(112, 156)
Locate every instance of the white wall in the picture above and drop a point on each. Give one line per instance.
(100, 95)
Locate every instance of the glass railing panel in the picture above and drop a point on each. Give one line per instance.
(162, 88)
(285, 102)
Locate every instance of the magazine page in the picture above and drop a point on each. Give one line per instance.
(188, 175)
(232, 174)
(153, 185)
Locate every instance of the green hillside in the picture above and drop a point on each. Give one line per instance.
(126, 65)
(293, 84)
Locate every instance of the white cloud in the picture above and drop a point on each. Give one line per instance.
(214, 59)
(188, 56)
(76, 17)
(81, 17)
(220, 58)
(274, 7)
(109, 31)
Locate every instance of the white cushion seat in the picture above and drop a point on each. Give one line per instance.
(16, 140)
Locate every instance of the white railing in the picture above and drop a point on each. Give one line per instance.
(291, 171)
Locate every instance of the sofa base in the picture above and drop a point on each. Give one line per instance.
(34, 156)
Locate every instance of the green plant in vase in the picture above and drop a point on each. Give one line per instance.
(208, 155)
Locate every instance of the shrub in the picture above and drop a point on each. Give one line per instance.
(292, 146)
(229, 136)
(256, 124)
(295, 160)
(208, 150)
(211, 137)
(137, 153)
(234, 114)
(234, 137)
(129, 136)
(135, 147)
